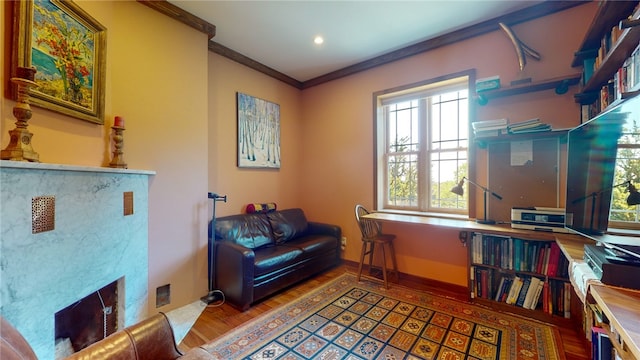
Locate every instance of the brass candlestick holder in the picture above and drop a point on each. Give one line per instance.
(19, 148)
(118, 140)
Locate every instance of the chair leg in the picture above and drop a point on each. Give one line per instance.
(393, 260)
(384, 267)
(364, 251)
(371, 251)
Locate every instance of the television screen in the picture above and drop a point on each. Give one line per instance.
(591, 166)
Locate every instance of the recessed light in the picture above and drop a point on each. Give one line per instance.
(318, 40)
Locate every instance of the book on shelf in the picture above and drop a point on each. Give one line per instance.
(545, 264)
(514, 290)
(531, 293)
(601, 346)
(536, 295)
(499, 289)
(567, 300)
(554, 258)
(503, 289)
(546, 304)
(522, 294)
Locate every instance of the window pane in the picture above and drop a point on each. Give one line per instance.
(449, 121)
(446, 169)
(403, 180)
(403, 127)
(627, 169)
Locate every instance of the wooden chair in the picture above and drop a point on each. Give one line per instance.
(371, 236)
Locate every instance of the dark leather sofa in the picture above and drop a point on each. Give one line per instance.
(260, 254)
(150, 339)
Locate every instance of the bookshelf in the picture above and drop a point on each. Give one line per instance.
(520, 274)
(609, 56)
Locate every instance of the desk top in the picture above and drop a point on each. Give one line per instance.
(463, 225)
(573, 246)
(622, 308)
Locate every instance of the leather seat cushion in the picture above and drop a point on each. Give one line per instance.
(313, 245)
(275, 258)
(252, 231)
(288, 224)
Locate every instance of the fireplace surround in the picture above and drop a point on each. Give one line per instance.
(87, 242)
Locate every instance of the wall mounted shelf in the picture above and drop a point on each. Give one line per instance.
(560, 84)
(560, 133)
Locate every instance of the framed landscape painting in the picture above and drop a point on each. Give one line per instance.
(66, 46)
(258, 133)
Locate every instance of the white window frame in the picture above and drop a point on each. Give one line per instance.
(423, 91)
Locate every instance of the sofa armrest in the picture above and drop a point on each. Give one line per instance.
(234, 272)
(316, 228)
(154, 339)
(151, 338)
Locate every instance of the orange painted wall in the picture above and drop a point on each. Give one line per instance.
(242, 185)
(338, 130)
(157, 80)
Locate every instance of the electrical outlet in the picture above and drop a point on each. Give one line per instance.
(343, 242)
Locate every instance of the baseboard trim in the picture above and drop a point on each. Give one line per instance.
(452, 290)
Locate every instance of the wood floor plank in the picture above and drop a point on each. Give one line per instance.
(216, 321)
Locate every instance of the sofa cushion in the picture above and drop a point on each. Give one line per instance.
(288, 224)
(314, 245)
(249, 230)
(275, 258)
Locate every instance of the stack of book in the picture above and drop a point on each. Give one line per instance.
(488, 128)
(528, 126)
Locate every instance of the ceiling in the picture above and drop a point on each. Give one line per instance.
(280, 34)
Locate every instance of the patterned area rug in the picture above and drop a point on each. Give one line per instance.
(346, 319)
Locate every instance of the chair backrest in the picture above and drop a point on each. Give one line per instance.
(369, 228)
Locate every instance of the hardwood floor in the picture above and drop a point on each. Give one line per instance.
(215, 321)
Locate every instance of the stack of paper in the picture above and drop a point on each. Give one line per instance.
(528, 126)
(490, 127)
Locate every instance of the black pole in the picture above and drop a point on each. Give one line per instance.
(213, 295)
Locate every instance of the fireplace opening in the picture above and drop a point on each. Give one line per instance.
(87, 321)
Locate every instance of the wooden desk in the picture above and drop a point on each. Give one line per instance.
(462, 225)
(622, 308)
(573, 246)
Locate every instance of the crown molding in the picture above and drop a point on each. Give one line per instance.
(184, 17)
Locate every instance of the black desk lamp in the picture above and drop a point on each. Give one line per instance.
(634, 195)
(632, 199)
(459, 190)
(213, 295)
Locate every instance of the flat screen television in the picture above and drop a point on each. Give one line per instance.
(591, 163)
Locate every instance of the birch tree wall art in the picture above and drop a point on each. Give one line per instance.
(258, 133)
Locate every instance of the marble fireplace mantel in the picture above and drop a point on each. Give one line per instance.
(92, 243)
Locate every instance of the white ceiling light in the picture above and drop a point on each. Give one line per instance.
(318, 40)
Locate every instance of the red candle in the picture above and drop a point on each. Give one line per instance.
(118, 122)
(28, 73)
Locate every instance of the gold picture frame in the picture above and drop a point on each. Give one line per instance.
(67, 47)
